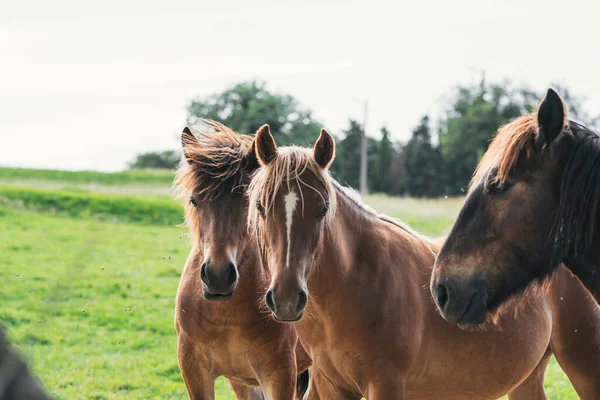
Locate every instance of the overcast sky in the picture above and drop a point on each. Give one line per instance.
(87, 85)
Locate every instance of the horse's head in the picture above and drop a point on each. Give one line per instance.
(291, 200)
(506, 236)
(212, 180)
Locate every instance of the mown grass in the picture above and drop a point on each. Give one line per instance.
(90, 303)
(158, 210)
(88, 296)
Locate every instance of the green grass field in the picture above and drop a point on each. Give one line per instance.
(89, 279)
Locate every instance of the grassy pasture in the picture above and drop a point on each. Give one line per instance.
(74, 202)
(90, 277)
(146, 177)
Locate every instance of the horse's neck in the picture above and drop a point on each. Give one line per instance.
(358, 244)
(587, 268)
(582, 215)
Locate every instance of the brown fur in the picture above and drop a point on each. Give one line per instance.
(233, 338)
(370, 325)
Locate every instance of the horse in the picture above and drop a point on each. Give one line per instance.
(533, 203)
(221, 329)
(355, 284)
(16, 380)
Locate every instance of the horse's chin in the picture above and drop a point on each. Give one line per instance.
(288, 321)
(217, 297)
(475, 315)
(472, 325)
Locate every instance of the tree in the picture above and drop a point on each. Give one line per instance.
(473, 117)
(423, 163)
(385, 153)
(346, 168)
(398, 170)
(245, 107)
(168, 159)
(576, 106)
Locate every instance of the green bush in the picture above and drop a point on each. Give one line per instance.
(136, 209)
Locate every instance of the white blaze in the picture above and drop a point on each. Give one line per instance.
(290, 201)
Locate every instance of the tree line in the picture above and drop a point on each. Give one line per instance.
(436, 161)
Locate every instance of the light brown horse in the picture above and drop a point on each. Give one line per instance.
(357, 284)
(221, 330)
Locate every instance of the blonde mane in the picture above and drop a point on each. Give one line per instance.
(354, 196)
(216, 165)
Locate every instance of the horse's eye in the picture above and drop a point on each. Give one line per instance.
(261, 210)
(323, 211)
(498, 188)
(193, 202)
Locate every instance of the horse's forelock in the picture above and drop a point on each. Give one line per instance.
(291, 162)
(503, 153)
(218, 161)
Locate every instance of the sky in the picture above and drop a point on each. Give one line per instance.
(88, 85)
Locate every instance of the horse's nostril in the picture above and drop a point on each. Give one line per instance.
(203, 276)
(269, 300)
(232, 277)
(302, 300)
(442, 296)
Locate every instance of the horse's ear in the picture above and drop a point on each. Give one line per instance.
(264, 145)
(187, 140)
(324, 149)
(551, 116)
(251, 160)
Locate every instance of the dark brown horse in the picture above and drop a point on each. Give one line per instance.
(16, 381)
(221, 330)
(534, 203)
(357, 284)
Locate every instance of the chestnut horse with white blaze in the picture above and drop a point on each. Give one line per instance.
(221, 329)
(355, 285)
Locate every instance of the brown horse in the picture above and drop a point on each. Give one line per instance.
(357, 284)
(16, 380)
(534, 202)
(232, 338)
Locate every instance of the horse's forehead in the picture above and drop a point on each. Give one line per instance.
(308, 187)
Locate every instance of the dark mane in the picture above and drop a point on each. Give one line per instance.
(577, 216)
(217, 162)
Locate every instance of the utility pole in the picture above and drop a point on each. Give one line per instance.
(363, 153)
